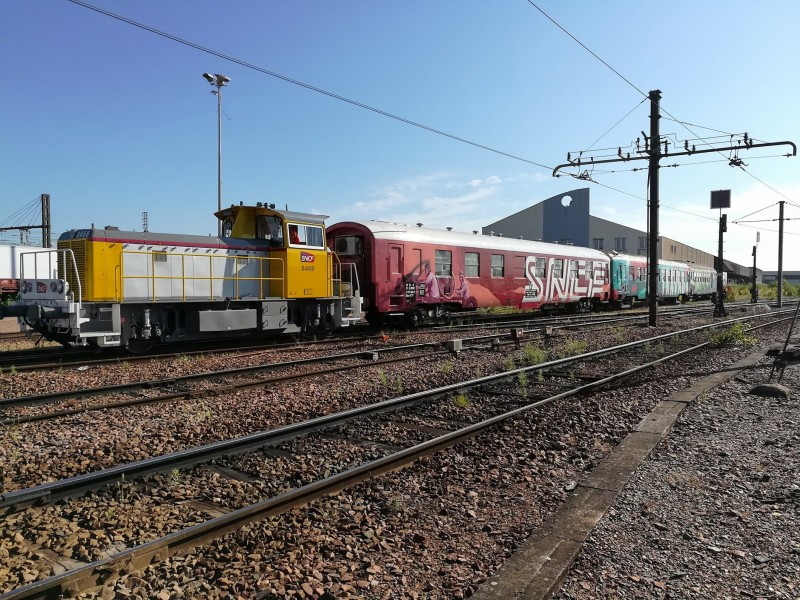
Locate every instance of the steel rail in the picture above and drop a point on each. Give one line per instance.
(78, 484)
(53, 397)
(139, 557)
(216, 391)
(74, 357)
(172, 381)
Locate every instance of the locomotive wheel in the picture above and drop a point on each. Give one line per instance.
(139, 346)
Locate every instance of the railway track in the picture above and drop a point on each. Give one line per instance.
(54, 358)
(522, 389)
(176, 387)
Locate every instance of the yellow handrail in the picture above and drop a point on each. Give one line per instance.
(154, 278)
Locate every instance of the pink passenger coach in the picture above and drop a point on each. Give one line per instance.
(422, 275)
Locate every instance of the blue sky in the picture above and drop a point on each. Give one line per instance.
(112, 120)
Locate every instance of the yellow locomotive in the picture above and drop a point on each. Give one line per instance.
(269, 272)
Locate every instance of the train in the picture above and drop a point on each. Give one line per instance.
(269, 272)
(9, 269)
(423, 275)
(273, 272)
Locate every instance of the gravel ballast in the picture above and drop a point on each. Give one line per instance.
(714, 512)
(443, 526)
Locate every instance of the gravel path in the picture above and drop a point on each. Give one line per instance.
(715, 512)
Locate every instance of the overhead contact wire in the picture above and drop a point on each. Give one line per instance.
(303, 84)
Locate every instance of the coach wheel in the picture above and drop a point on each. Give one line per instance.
(442, 316)
(414, 318)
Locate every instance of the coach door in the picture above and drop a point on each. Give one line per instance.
(394, 276)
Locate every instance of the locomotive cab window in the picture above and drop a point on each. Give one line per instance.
(305, 235)
(270, 228)
(227, 227)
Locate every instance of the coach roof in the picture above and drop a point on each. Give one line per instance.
(383, 230)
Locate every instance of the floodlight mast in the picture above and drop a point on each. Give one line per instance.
(218, 81)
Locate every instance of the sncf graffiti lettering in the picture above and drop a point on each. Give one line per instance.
(561, 279)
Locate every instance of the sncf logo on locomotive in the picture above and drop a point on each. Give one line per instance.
(307, 257)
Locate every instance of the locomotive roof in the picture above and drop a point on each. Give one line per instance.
(154, 238)
(267, 209)
(383, 230)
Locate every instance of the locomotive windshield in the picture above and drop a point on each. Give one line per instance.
(270, 228)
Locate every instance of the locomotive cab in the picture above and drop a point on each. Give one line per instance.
(303, 265)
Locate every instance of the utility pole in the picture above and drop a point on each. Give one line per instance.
(754, 289)
(719, 305)
(655, 156)
(652, 153)
(780, 254)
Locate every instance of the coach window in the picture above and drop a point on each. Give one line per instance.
(573, 269)
(539, 271)
(444, 263)
(558, 268)
(472, 264)
(498, 265)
